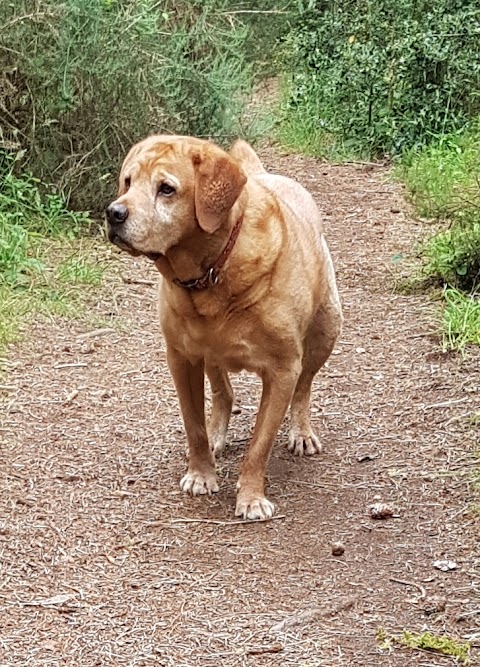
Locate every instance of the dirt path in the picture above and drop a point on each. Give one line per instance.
(90, 508)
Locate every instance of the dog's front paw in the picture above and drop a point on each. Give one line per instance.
(303, 444)
(254, 507)
(199, 483)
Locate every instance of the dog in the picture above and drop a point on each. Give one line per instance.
(247, 284)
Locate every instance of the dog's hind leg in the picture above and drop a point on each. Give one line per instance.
(318, 346)
(222, 402)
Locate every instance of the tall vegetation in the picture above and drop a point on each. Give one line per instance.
(379, 76)
(81, 80)
(400, 78)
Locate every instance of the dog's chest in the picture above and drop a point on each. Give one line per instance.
(232, 347)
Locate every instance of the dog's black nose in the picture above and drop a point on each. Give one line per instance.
(117, 213)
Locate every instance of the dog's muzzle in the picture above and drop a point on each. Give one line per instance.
(116, 215)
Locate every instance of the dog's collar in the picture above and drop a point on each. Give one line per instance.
(211, 277)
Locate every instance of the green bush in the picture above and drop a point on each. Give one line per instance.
(27, 214)
(269, 22)
(443, 181)
(461, 320)
(452, 257)
(442, 178)
(384, 75)
(80, 81)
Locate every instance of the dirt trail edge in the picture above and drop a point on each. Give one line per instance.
(105, 562)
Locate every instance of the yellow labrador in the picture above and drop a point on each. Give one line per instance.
(248, 283)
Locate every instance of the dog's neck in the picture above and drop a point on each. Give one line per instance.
(198, 252)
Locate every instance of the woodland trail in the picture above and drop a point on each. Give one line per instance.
(104, 562)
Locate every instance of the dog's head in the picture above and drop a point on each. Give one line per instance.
(169, 187)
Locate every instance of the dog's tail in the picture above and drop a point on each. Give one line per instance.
(249, 161)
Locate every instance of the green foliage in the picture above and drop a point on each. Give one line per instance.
(80, 81)
(78, 270)
(452, 257)
(442, 178)
(443, 181)
(385, 75)
(461, 320)
(300, 130)
(26, 215)
(438, 644)
(31, 220)
(427, 641)
(269, 23)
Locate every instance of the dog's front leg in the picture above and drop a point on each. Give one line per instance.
(278, 388)
(189, 379)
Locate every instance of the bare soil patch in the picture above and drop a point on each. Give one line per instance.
(105, 562)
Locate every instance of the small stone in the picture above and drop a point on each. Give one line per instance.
(338, 549)
(366, 457)
(395, 209)
(236, 410)
(445, 565)
(381, 511)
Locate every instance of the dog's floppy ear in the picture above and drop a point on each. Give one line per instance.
(218, 183)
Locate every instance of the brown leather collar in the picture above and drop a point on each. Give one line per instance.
(211, 277)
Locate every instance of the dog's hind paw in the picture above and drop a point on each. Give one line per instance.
(303, 444)
(217, 444)
(256, 507)
(197, 483)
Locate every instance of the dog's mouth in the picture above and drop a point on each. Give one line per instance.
(120, 242)
(117, 240)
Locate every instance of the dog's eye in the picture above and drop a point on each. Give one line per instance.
(166, 189)
(128, 182)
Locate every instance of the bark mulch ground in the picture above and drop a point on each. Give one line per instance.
(105, 562)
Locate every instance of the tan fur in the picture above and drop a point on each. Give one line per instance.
(275, 311)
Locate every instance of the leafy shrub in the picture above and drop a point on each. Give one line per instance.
(461, 319)
(269, 21)
(80, 81)
(442, 178)
(443, 181)
(25, 215)
(453, 256)
(384, 75)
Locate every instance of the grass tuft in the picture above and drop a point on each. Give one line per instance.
(426, 641)
(442, 179)
(443, 182)
(438, 644)
(461, 320)
(42, 264)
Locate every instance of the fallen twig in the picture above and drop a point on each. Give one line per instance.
(228, 523)
(413, 584)
(446, 404)
(137, 281)
(95, 333)
(312, 615)
(49, 602)
(260, 650)
(73, 394)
